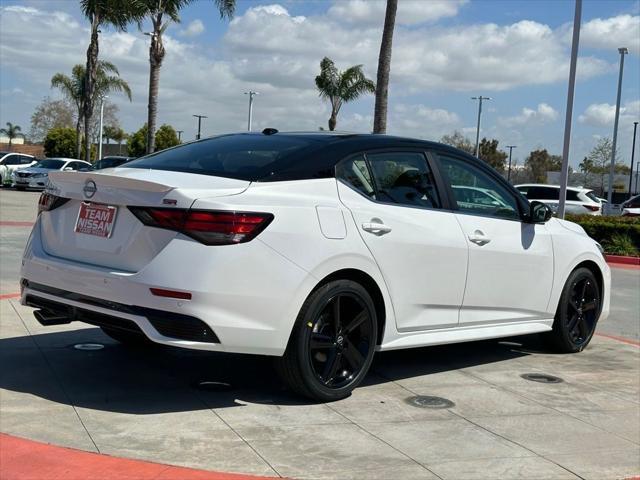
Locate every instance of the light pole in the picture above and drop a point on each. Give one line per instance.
(199, 117)
(179, 132)
(480, 99)
(633, 152)
(622, 51)
(101, 118)
(564, 171)
(251, 95)
(510, 147)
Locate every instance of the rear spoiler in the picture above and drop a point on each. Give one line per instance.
(68, 180)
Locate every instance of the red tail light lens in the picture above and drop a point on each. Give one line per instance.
(207, 226)
(593, 208)
(48, 202)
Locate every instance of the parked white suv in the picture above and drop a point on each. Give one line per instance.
(12, 161)
(580, 201)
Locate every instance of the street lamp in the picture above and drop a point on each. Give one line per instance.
(633, 152)
(251, 95)
(510, 147)
(199, 117)
(622, 51)
(480, 99)
(564, 171)
(102, 97)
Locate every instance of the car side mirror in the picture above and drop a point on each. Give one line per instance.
(539, 212)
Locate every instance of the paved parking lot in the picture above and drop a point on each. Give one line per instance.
(149, 404)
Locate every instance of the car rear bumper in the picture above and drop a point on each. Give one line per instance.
(244, 307)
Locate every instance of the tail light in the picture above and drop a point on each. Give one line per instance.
(593, 208)
(207, 226)
(48, 202)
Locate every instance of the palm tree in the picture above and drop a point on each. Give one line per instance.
(12, 131)
(100, 13)
(341, 87)
(74, 88)
(161, 13)
(384, 66)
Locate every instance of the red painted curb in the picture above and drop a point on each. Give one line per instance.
(621, 259)
(22, 459)
(16, 224)
(628, 341)
(6, 296)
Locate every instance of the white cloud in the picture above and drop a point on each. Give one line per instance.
(544, 113)
(195, 28)
(611, 33)
(410, 12)
(603, 114)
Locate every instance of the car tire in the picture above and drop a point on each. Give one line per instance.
(332, 343)
(577, 313)
(126, 337)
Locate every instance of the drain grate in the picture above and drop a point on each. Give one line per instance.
(210, 386)
(426, 401)
(541, 378)
(88, 346)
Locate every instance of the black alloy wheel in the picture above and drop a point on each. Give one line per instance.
(578, 312)
(333, 342)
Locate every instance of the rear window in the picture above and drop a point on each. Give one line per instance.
(245, 157)
(52, 164)
(592, 196)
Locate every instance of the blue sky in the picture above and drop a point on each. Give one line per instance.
(445, 51)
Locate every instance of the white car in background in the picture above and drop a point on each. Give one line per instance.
(580, 201)
(631, 208)
(12, 161)
(37, 175)
(318, 249)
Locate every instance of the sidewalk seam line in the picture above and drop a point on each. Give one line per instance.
(57, 378)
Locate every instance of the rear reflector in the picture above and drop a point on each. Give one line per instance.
(161, 292)
(48, 202)
(593, 208)
(207, 226)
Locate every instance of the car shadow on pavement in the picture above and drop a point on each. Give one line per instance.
(158, 379)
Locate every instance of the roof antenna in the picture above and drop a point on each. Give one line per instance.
(269, 131)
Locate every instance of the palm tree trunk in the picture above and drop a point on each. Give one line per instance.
(78, 136)
(156, 55)
(333, 121)
(384, 66)
(90, 81)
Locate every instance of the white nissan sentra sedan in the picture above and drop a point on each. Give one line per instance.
(318, 249)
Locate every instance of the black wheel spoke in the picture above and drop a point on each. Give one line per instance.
(332, 367)
(573, 304)
(336, 313)
(584, 291)
(320, 341)
(590, 305)
(573, 321)
(356, 322)
(353, 356)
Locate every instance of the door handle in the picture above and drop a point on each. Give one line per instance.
(479, 238)
(376, 228)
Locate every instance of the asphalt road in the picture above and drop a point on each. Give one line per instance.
(18, 209)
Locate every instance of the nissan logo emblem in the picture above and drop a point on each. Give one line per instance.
(90, 188)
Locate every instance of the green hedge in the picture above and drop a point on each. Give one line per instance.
(618, 235)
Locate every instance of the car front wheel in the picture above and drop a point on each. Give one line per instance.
(577, 313)
(332, 343)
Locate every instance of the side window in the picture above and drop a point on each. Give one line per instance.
(355, 172)
(24, 160)
(543, 193)
(404, 178)
(476, 192)
(572, 195)
(12, 160)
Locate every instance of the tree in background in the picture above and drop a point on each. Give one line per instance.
(489, 153)
(161, 13)
(539, 162)
(74, 89)
(51, 114)
(459, 141)
(598, 161)
(11, 132)
(60, 142)
(119, 136)
(384, 67)
(102, 13)
(110, 118)
(165, 137)
(341, 87)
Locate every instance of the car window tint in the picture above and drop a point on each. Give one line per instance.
(592, 196)
(476, 192)
(543, 193)
(12, 160)
(404, 178)
(25, 160)
(354, 171)
(572, 195)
